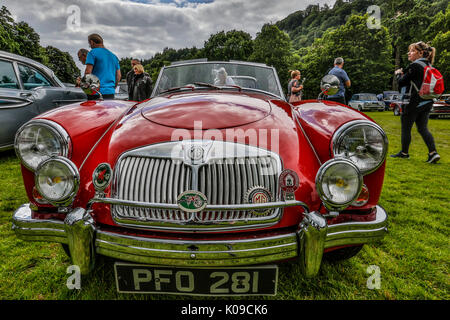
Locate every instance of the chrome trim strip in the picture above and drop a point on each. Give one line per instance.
(192, 224)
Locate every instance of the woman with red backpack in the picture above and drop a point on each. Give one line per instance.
(418, 109)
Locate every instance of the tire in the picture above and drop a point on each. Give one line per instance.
(66, 249)
(342, 254)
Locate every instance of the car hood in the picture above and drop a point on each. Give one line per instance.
(208, 110)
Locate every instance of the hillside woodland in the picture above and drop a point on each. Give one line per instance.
(373, 43)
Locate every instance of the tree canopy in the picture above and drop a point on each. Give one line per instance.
(21, 39)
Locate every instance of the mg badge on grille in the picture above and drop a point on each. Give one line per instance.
(195, 153)
(102, 176)
(192, 201)
(258, 194)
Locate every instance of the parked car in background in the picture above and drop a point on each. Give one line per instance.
(366, 102)
(196, 191)
(441, 107)
(27, 89)
(388, 97)
(397, 103)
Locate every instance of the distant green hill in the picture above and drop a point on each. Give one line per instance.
(303, 26)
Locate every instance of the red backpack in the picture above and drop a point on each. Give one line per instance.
(432, 84)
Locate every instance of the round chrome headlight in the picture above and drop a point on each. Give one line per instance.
(338, 183)
(57, 180)
(362, 142)
(38, 140)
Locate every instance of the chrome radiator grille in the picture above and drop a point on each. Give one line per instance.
(141, 176)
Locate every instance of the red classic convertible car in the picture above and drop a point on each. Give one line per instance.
(204, 188)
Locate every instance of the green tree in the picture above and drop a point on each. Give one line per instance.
(28, 41)
(61, 63)
(366, 53)
(232, 45)
(439, 31)
(273, 47)
(7, 38)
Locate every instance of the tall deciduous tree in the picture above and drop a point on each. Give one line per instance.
(273, 47)
(61, 63)
(439, 31)
(232, 45)
(366, 53)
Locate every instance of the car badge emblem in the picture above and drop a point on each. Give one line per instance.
(102, 176)
(195, 153)
(257, 195)
(192, 201)
(289, 183)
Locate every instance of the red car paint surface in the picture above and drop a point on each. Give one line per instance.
(102, 131)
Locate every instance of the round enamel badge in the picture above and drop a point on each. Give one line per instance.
(288, 181)
(192, 201)
(256, 195)
(102, 176)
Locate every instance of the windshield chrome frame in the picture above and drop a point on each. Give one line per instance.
(197, 62)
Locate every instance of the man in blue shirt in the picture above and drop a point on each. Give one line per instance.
(344, 80)
(104, 64)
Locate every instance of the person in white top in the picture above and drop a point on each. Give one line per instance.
(223, 78)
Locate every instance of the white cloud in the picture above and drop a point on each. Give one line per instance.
(141, 29)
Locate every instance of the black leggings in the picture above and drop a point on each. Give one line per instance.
(419, 115)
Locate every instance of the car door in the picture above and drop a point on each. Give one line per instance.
(16, 104)
(50, 95)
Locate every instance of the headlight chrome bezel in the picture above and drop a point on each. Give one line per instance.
(58, 132)
(341, 133)
(329, 204)
(67, 199)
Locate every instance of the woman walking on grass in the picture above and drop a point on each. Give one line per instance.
(418, 109)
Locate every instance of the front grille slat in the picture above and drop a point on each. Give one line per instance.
(223, 181)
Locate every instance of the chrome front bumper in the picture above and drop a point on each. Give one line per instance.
(85, 240)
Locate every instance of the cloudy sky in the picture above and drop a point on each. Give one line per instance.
(140, 28)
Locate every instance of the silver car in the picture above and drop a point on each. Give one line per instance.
(28, 88)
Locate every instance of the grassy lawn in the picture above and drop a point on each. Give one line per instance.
(413, 259)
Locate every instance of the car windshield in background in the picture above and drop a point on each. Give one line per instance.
(222, 75)
(368, 97)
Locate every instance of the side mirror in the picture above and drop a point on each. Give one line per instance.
(90, 84)
(329, 85)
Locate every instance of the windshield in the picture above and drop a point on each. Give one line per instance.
(368, 97)
(221, 75)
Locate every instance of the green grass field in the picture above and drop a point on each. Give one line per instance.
(413, 259)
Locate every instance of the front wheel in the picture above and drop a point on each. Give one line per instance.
(342, 254)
